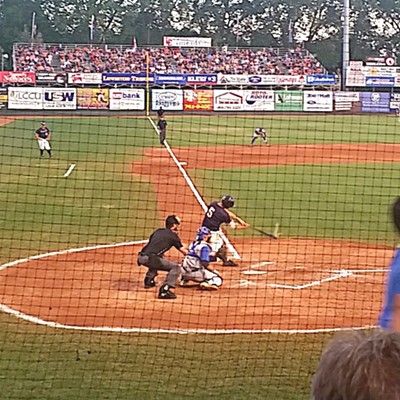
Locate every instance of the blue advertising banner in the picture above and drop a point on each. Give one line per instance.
(201, 79)
(170, 79)
(379, 81)
(320, 79)
(115, 78)
(374, 102)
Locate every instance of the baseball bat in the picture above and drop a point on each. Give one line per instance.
(273, 235)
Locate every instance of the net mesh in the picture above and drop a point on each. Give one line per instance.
(76, 320)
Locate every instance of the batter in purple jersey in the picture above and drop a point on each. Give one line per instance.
(216, 215)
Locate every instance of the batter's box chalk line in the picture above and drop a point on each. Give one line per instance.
(253, 269)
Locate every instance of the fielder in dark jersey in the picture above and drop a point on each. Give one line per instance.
(152, 254)
(43, 136)
(217, 214)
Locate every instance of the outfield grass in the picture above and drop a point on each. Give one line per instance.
(102, 202)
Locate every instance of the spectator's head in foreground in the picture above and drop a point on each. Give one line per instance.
(359, 366)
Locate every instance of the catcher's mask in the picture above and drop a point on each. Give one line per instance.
(202, 232)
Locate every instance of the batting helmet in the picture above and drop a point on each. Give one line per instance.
(202, 232)
(228, 201)
(396, 214)
(172, 220)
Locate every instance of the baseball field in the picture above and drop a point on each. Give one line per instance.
(75, 320)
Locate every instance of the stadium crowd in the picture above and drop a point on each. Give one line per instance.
(54, 58)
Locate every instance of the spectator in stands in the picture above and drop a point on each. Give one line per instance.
(50, 58)
(359, 366)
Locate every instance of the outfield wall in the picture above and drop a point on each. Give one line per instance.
(192, 100)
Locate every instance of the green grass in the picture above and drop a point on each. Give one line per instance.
(288, 129)
(102, 202)
(41, 363)
(326, 201)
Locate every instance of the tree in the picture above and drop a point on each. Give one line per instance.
(74, 18)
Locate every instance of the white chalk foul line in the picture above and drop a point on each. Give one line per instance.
(262, 264)
(342, 274)
(253, 272)
(196, 193)
(70, 169)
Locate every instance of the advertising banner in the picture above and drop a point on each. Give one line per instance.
(318, 101)
(83, 78)
(261, 80)
(17, 77)
(224, 79)
(394, 101)
(288, 100)
(50, 78)
(375, 102)
(170, 79)
(3, 98)
(346, 101)
(167, 99)
(172, 41)
(258, 100)
(201, 79)
(92, 98)
(228, 100)
(379, 81)
(25, 98)
(127, 99)
(59, 99)
(290, 80)
(198, 100)
(320, 79)
(114, 78)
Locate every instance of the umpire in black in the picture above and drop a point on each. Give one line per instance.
(162, 127)
(160, 241)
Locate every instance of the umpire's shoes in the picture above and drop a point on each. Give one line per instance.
(149, 283)
(229, 263)
(165, 294)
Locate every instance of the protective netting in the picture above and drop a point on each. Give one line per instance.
(76, 320)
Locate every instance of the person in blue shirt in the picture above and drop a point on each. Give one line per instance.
(390, 315)
(195, 265)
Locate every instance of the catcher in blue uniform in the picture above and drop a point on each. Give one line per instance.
(195, 266)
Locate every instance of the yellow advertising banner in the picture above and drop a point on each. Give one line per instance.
(198, 100)
(92, 98)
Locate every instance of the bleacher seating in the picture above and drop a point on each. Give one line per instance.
(112, 58)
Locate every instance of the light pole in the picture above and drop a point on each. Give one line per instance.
(345, 44)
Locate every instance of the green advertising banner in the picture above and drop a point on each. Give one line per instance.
(288, 100)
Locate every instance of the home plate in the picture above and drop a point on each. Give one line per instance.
(252, 272)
